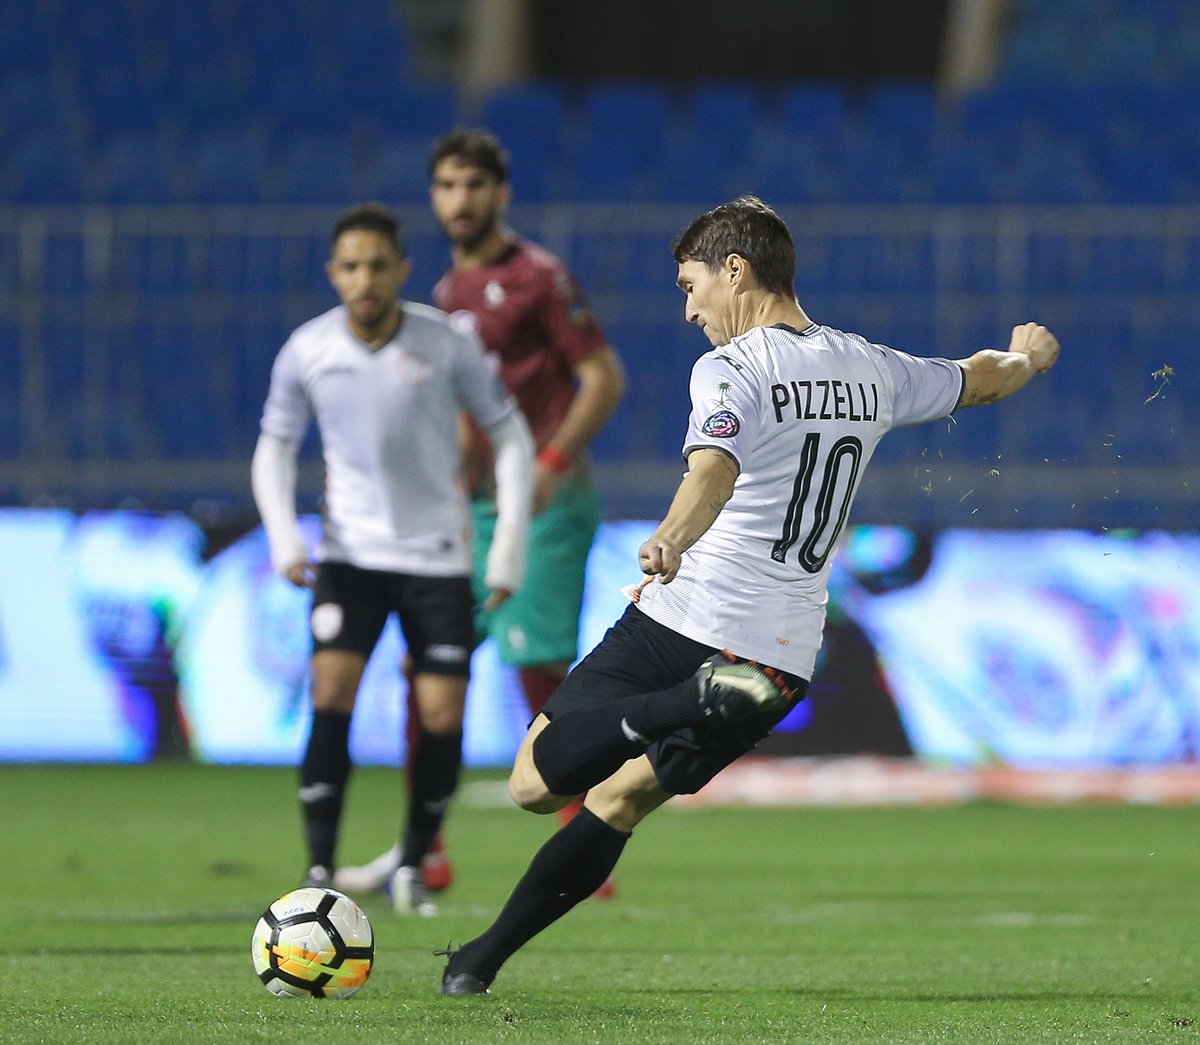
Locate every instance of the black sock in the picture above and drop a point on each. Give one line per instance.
(437, 759)
(567, 869)
(323, 776)
(580, 748)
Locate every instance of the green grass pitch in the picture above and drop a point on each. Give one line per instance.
(132, 893)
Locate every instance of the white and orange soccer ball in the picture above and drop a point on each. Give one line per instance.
(313, 943)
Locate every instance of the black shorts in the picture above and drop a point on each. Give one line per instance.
(351, 606)
(639, 655)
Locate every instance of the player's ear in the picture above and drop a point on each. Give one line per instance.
(735, 268)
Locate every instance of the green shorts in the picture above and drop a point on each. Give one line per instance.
(540, 624)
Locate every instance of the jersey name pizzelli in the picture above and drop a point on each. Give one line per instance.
(801, 413)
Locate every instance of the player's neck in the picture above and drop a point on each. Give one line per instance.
(491, 248)
(381, 333)
(773, 309)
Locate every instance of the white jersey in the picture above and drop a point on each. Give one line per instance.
(388, 420)
(801, 412)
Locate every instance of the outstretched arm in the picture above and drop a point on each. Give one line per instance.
(992, 375)
(698, 502)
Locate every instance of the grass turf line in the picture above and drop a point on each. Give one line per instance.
(133, 891)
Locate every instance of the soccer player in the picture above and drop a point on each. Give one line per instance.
(386, 380)
(567, 380)
(722, 639)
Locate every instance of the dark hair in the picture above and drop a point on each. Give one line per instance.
(373, 217)
(472, 148)
(748, 227)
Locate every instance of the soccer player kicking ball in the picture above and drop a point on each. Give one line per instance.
(722, 640)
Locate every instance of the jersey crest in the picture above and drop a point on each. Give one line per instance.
(723, 424)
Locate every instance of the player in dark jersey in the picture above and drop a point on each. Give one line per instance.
(567, 380)
(723, 634)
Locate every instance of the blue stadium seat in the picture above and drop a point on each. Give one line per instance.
(789, 169)
(46, 169)
(1124, 265)
(136, 168)
(1050, 172)
(629, 118)
(1144, 175)
(603, 170)
(1052, 265)
(295, 101)
(818, 115)
(120, 102)
(11, 380)
(414, 112)
(402, 170)
(64, 266)
(712, 136)
(904, 114)
(528, 119)
(149, 266)
(962, 171)
(227, 167)
(315, 168)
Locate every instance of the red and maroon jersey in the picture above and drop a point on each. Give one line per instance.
(530, 312)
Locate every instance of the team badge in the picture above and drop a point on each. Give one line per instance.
(326, 621)
(721, 425)
(493, 294)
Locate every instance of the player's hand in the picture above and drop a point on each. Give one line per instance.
(497, 597)
(1036, 342)
(660, 557)
(545, 486)
(301, 574)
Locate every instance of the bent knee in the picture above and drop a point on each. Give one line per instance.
(529, 791)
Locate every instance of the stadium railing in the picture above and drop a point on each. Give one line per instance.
(133, 339)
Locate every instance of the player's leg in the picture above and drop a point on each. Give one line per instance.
(436, 616)
(375, 875)
(588, 743)
(565, 871)
(347, 618)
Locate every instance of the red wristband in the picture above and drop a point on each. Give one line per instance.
(554, 459)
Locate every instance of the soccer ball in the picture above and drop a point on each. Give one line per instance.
(313, 943)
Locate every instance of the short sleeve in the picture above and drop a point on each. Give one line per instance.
(924, 388)
(726, 412)
(571, 328)
(286, 412)
(477, 374)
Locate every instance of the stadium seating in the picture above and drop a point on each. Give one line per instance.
(222, 103)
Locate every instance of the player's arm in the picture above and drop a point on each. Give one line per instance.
(601, 384)
(990, 376)
(698, 501)
(513, 446)
(273, 480)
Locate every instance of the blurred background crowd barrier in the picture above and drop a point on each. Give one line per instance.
(169, 174)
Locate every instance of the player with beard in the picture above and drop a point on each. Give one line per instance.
(386, 381)
(555, 360)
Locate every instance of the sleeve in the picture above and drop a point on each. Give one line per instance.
(514, 493)
(571, 328)
(286, 412)
(477, 375)
(273, 481)
(924, 389)
(726, 408)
